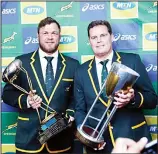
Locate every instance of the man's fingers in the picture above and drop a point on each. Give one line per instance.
(139, 146)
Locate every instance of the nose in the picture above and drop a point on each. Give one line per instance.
(50, 36)
(98, 39)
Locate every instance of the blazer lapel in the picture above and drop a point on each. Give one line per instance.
(116, 57)
(36, 68)
(94, 79)
(61, 66)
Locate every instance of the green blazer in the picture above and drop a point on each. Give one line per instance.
(60, 100)
(128, 121)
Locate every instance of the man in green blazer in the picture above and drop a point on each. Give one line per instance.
(128, 121)
(60, 97)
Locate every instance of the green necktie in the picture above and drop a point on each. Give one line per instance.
(49, 76)
(104, 75)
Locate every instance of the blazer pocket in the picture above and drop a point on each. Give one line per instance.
(67, 84)
(138, 125)
(68, 79)
(140, 130)
(23, 130)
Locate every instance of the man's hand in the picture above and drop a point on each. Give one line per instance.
(34, 100)
(126, 145)
(101, 147)
(71, 119)
(122, 98)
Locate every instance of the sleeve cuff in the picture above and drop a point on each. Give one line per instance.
(22, 101)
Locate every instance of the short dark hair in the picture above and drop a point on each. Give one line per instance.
(47, 21)
(99, 22)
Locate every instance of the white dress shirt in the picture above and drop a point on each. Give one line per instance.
(99, 66)
(43, 62)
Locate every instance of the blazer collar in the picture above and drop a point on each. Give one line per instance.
(36, 67)
(92, 72)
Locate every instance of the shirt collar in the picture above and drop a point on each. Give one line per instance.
(110, 56)
(42, 54)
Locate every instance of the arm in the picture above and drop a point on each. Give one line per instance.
(142, 95)
(70, 110)
(13, 96)
(80, 104)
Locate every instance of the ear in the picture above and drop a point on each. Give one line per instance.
(112, 37)
(37, 36)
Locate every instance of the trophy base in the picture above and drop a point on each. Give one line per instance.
(85, 136)
(54, 124)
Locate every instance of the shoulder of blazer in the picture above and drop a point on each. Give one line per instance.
(130, 57)
(25, 56)
(69, 59)
(86, 65)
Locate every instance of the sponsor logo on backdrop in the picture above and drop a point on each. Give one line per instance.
(33, 10)
(30, 40)
(92, 7)
(119, 36)
(150, 62)
(124, 10)
(92, 10)
(152, 8)
(124, 5)
(8, 41)
(69, 40)
(152, 123)
(153, 129)
(66, 7)
(9, 12)
(149, 36)
(11, 38)
(8, 127)
(62, 13)
(126, 37)
(31, 14)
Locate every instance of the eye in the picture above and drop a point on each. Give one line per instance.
(55, 33)
(93, 37)
(45, 33)
(103, 35)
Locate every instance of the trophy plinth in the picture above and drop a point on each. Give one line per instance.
(87, 135)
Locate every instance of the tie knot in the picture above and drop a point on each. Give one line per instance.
(104, 62)
(49, 59)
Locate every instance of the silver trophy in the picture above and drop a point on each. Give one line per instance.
(11, 73)
(120, 77)
(51, 125)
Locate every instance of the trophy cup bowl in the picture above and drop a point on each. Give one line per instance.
(119, 78)
(12, 70)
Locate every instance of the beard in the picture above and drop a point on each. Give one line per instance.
(50, 50)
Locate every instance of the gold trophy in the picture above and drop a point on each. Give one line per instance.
(51, 125)
(120, 77)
